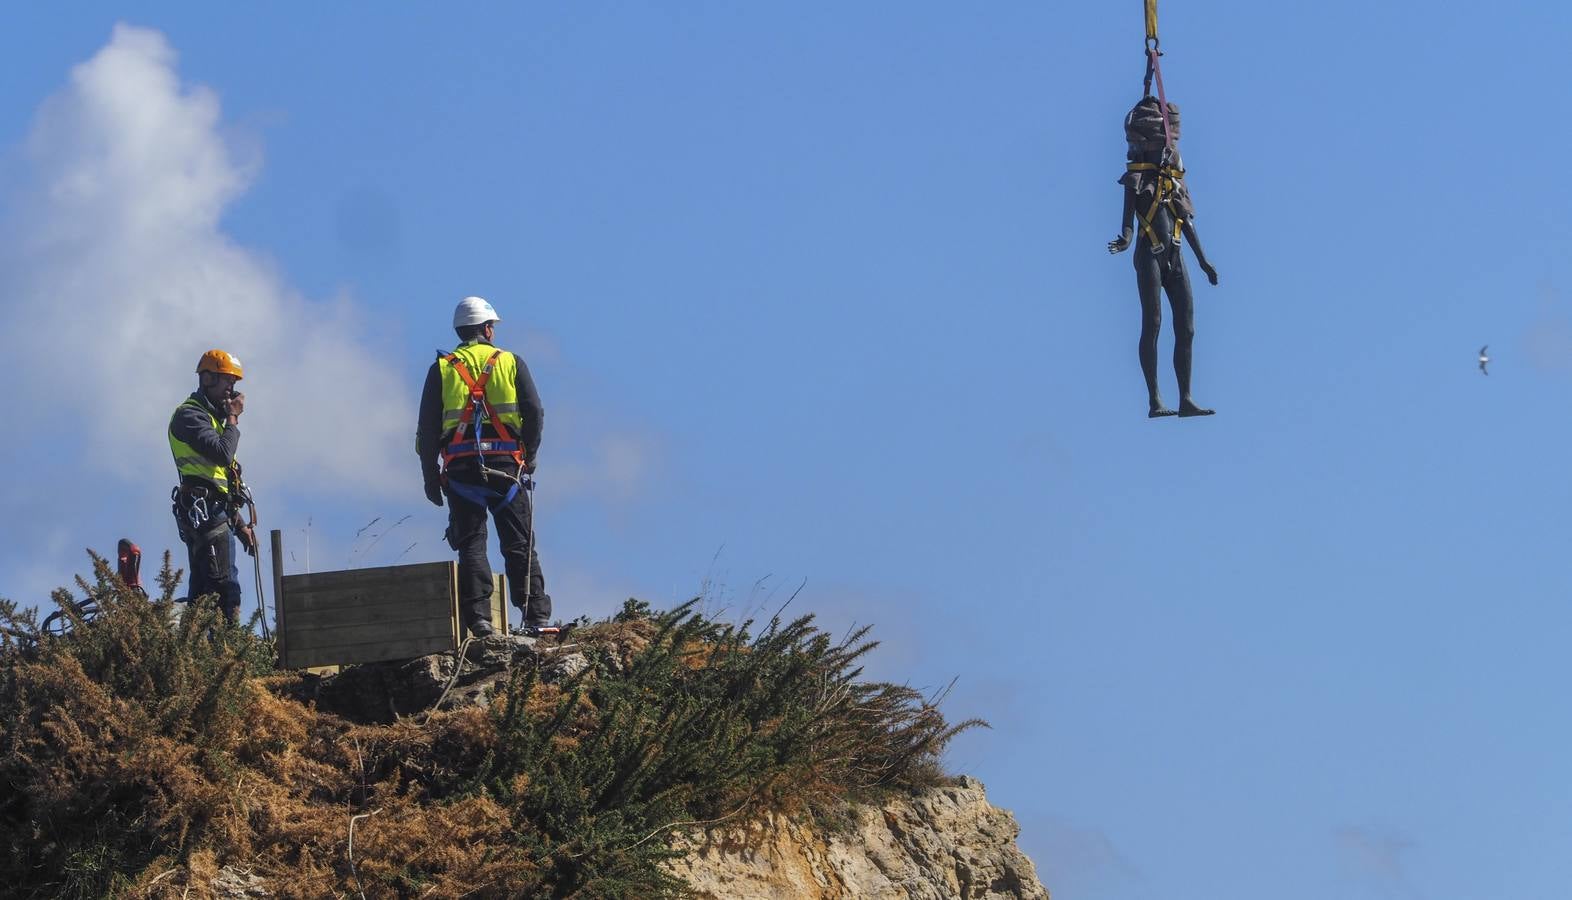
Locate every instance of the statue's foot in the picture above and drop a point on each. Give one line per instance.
(1188, 409)
(1159, 411)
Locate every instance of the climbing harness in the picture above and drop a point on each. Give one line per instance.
(196, 510)
(458, 447)
(467, 441)
(1168, 181)
(200, 512)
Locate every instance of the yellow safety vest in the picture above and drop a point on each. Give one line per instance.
(190, 462)
(501, 386)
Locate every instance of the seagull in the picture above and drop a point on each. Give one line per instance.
(1484, 359)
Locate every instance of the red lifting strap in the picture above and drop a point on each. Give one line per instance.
(477, 395)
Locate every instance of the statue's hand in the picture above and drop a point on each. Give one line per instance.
(1211, 273)
(1119, 244)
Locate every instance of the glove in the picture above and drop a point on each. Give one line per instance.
(248, 538)
(434, 492)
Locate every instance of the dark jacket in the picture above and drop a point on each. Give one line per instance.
(195, 427)
(430, 438)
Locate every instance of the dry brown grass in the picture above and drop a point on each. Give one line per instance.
(142, 761)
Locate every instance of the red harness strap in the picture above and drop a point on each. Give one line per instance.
(477, 398)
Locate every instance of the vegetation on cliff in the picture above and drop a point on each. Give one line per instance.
(139, 757)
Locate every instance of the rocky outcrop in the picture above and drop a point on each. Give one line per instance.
(234, 883)
(947, 843)
(382, 692)
(944, 843)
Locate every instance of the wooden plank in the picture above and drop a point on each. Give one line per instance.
(499, 603)
(366, 653)
(432, 578)
(434, 595)
(404, 610)
(353, 578)
(277, 540)
(372, 632)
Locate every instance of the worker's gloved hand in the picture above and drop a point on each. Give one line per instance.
(1211, 273)
(1119, 244)
(434, 492)
(235, 404)
(248, 538)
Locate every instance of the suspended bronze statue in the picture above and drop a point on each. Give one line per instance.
(1156, 199)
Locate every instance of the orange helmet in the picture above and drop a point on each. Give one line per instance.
(221, 362)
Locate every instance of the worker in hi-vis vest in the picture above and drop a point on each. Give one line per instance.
(203, 436)
(478, 430)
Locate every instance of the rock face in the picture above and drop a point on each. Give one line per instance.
(945, 843)
(948, 843)
(382, 692)
(235, 883)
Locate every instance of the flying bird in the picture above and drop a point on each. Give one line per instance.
(1484, 359)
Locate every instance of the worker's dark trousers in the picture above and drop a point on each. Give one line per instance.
(212, 557)
(467, 535)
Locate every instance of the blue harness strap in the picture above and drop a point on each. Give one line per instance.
(481, 495)
(471, 448)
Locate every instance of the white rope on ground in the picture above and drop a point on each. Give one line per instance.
(458, 669)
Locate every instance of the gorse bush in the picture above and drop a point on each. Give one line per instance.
(116, 739)
(144, 755)
(706, 724)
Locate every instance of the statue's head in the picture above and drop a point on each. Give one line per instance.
(1143, 126)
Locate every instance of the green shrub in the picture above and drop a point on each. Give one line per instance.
(99, 725)
(705, 725)
(140, 755)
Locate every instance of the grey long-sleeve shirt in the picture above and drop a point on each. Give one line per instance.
(194, 426)
(429, 435)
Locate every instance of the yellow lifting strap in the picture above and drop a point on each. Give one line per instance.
(1151, 21)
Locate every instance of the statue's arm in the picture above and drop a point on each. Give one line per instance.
(1195, 246)
(1126, 223)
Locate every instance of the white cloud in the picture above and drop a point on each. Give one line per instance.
(117, 276)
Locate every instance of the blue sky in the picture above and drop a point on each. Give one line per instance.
(819, 292)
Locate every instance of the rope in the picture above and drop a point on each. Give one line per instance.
(1162, 97)
(1155, 69)
(458, 669)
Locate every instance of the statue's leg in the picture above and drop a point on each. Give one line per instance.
(1148, 279)
(1176, 283)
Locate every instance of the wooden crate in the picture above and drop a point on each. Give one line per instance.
(331, 619)
(366, 615)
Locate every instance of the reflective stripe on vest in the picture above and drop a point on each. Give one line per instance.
(190, 462)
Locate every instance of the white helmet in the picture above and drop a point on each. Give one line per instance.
(474, 311)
